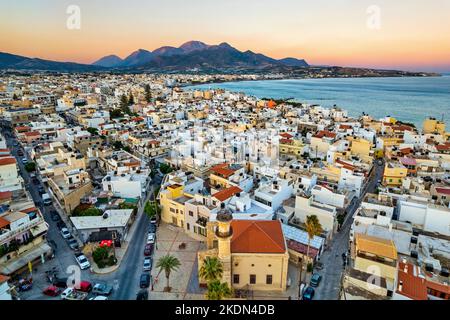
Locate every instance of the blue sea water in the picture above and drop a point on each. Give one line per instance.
(410, 99)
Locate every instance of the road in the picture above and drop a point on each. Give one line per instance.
(125, 279)
(331, 259)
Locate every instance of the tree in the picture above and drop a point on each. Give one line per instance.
(165, 168)
(30, 166)
(123, 101)
(152, 209)
(148, 95)
(130, 99)
(116, 113)
(313, 228)
(218, 290)
(211, 269)
(168, 263)
(93, 131)
(117, 145)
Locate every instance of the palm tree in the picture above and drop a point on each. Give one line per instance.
(218, 290)
(211, 269)
(313, 228)
(168, 263)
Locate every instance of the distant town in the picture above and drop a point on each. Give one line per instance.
(134, 187)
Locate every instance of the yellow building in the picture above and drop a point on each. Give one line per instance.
(432, 125)
(376, 256)
(291, 147)
(360, 147)
(253, 253)
(393, 174)
(172, 201)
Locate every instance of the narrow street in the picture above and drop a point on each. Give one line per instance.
(331, 259)
(125, 280)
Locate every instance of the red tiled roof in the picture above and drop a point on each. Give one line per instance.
(29, 210)
(325, 133)
(438, 287)
(223, 170)
(257, 236)
(3, 278)
(227, 193)
(302, 248)
(285, 141)
(286, 135)
(7, 160)
(5, 195)
(408, 161)
(3, 222)
(443, 191)
(345, 165)
(32, 133)
(345, 126)
(413, 286)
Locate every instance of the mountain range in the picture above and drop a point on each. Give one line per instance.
(192, 55)
(196, 55)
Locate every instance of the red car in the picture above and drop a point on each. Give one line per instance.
(52, 291)
(84, 286)
(148, 249)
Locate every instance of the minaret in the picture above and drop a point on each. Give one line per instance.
(224, 232)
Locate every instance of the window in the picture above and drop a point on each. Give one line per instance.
(191, 213)
(252, 278)
(172, 210)
(188, 226)
(269, 279)
(236, 278)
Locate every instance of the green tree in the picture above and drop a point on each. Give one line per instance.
(211, 269)
(100, 254)
(130, 99)
(116, 113)
(118, 145)
(152, 209)
(218, 290)
(93, 131)
(148, 94)
(165, 168)
(168, 264)
(123, 101)
(30, 166)
(313, 228)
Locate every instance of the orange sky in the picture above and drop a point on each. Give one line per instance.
(414, 34)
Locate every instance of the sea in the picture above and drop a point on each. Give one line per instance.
(409, 99)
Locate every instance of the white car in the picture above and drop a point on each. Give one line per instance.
(82, 261)
(65, 233)
(99, 298)
(151, 238)
(147, 264)
(24, 160)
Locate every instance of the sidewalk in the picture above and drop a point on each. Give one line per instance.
(121, 252)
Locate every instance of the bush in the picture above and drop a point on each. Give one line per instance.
(102, 257)
(30, 166)
(86, 210)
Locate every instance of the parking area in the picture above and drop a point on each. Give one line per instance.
(184, 281)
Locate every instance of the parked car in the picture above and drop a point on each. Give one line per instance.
(99, 298)
(73, 244)
(315, 280)
(148, 250)
(46, 199)
(82, 261)
(309, 293)
(142, 295)
(65, 233)
(147, 264)
(84, 286)
(35, 181)
(20, 153)
(152, 228)
(61, 225)
(60, 282)
(55, 216)
(24, 160)
(153, 220)
(144, 281)
(73, 294)
(41, 189)
(102, 289)
(151, 238)
(52, 291)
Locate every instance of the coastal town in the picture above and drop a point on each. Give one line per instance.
(138, 186)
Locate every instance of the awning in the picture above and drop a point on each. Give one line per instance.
(39, 229)
(15, 264)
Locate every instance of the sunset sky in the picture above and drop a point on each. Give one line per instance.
(414, 34)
